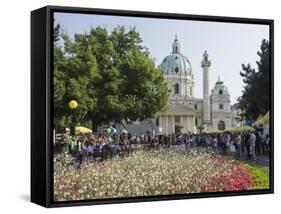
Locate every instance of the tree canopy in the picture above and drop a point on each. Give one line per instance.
(109, 74)
(255, 99)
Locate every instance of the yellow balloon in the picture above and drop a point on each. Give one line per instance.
(73, 104)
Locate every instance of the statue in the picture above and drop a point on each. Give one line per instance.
(205, 56)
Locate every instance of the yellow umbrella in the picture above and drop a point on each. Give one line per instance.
(81, 129)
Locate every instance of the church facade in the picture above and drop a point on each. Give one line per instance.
(185, 112)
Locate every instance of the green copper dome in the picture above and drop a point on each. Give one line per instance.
(176, 63)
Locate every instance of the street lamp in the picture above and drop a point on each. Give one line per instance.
(72, 105)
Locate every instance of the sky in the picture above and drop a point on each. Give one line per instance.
(228, 44)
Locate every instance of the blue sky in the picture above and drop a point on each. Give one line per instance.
(228, 44)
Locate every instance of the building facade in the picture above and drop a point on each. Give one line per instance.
(186, 113)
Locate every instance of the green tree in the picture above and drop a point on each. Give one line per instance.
(111, 76)
(255, 97)
(72, 75)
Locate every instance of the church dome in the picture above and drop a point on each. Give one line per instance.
(176, 63)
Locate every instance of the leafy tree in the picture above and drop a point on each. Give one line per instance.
(72, 77)
(255, 99)
(111, 76)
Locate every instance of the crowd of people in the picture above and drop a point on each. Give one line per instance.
(239, 145)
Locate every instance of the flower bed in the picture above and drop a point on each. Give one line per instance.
(147, 173)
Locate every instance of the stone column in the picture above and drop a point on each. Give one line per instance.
(206, 63)
(160, 124)
(193, 124)
(167, 125)
(187, 123)
(173, 124)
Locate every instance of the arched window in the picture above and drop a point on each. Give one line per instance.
(176, 69)
(221, 125)
(195, 106)
(177, 88)
(196, 121)
(220, 92)
(220, 106)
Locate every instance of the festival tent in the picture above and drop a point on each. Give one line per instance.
(257, 120)
(262, 120)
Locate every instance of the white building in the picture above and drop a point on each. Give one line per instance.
(185, 113)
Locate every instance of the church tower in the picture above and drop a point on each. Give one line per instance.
(205, 64)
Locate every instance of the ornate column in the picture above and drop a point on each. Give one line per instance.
(205, 64)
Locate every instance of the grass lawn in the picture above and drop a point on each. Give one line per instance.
(260, 176)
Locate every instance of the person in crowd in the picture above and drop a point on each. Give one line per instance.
(258, 144)
(253, 146)
(72, 147)
(243, 145)
(238, 145)
(232, 149)
(267, 143)
(247, 140)
(215, 145)
(227, 143)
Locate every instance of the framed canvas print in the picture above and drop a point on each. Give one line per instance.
(131, 106)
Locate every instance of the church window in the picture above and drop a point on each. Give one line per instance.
(220, 106)
(220, 92)
(177, 88)
(221, 125)
(176, 57)
(196, 121)
(195, 106)
(177, 119)
(176, 69)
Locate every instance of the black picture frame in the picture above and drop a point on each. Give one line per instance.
(41, 103)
